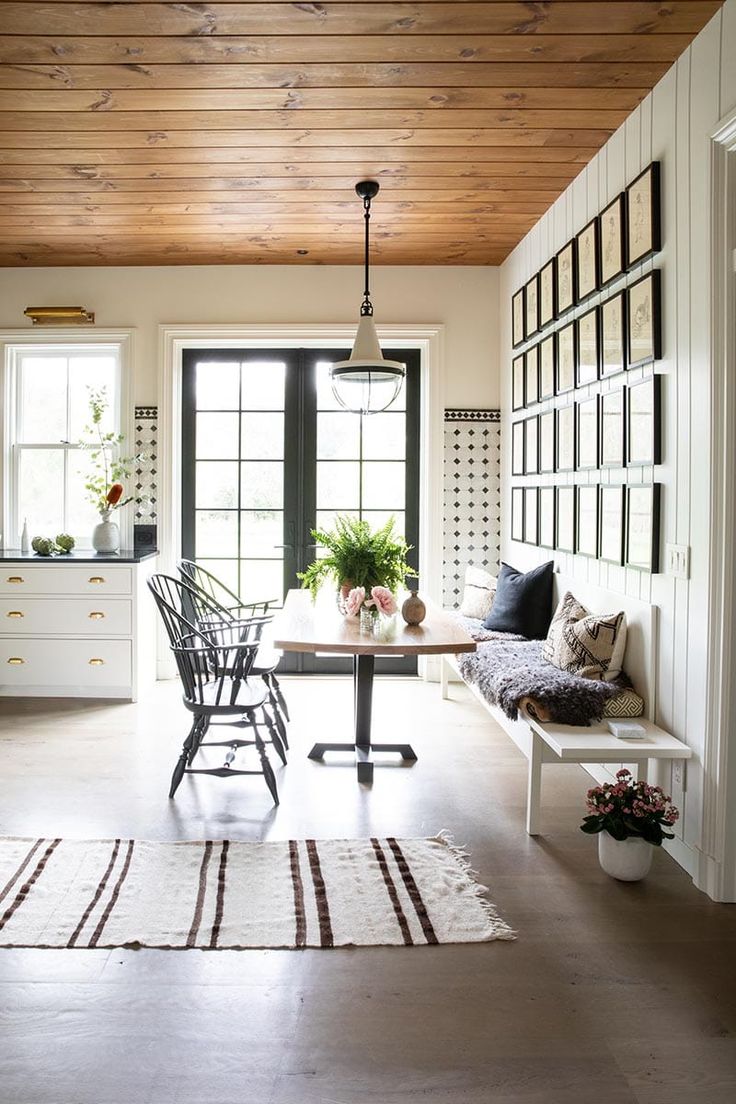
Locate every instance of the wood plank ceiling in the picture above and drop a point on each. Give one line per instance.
(228, 132)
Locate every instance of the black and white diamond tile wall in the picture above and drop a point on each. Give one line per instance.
(472, 496)
(146, 470)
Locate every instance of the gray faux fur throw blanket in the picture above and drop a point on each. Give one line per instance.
(508, 669)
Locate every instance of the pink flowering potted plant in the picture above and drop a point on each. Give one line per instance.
(370, 607)
(630, 818)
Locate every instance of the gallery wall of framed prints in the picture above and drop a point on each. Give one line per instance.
(586, 395)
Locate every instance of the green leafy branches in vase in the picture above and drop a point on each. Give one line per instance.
(105, 485)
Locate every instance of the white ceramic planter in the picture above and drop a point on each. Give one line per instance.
(106, 535)
(627, 860)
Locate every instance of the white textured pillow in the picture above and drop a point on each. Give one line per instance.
(586, 644)
(480, 590)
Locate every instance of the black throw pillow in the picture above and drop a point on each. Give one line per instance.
(523, 602)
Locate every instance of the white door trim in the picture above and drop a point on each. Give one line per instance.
(173, 340)
(717, 868)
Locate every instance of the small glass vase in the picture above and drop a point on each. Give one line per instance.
(106, 535)
(368, 618)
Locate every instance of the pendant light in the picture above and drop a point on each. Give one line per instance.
(367, 383)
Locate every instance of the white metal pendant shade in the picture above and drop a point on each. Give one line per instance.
(367, 383)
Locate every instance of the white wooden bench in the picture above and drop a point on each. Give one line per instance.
(595, 744)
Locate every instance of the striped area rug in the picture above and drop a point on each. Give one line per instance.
(223, 894)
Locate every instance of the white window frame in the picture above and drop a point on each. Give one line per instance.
(12, 346)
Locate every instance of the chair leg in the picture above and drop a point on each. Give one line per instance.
(266, 766)
(181, 763)
(275, 737)
(202, 727)
(280, 696)
(277, 711)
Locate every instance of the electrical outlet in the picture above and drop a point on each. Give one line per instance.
(678, 773)
(678, 561)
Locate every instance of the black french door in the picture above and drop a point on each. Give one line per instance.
(269, 454)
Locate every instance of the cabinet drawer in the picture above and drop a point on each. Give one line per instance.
(68, 616)
(55, 578)
(65, 663)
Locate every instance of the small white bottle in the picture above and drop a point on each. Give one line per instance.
(25, 544)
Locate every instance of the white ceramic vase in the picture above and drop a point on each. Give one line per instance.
(105, 535)
(627, 860)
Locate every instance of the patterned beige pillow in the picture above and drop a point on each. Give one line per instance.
(626, 704)
(480, 590)
(586, 644)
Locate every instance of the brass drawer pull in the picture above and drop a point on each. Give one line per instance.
(15, 613)
(96, 615)
(16, 661)
(15, 579)
(96, 579)
(96, 662)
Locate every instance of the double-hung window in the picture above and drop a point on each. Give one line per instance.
(48, 389)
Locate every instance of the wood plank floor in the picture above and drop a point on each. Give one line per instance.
(612, 993)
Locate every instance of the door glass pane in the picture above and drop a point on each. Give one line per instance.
(217, 484)
(261, 580)
(263, 385)
(384, 437)
(338, 436)
(224, 570)
(262, 485)
(377, 518)
(338, 485)
(263, 437)
(42, 490)
(216, 532)
(325, 398)
(217, 436)
(217, 385)
(261, 531)
(43, 399)
(383, 486)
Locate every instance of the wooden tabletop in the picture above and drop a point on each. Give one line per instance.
(306, 626)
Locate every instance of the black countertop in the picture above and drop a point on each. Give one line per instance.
(82, 556)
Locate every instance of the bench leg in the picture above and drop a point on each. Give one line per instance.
(534, 784)
(445, 678)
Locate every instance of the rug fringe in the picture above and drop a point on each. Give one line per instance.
(499, 928)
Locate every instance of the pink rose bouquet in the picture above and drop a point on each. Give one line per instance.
(384, 600)
(354, 600)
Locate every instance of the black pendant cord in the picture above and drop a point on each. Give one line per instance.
(366, 307)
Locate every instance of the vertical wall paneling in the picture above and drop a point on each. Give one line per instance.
(672, 125)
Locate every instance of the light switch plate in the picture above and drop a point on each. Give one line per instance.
(678, 561)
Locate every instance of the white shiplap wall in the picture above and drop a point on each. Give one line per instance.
(672, 125)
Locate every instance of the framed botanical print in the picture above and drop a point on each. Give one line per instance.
(586, 521)
(531, 375)
(565, 438)
(547, 367)
(565, 278)
(531, 515)
(565, 361)
(517, 318)
(587, 360)
(547, 441)
(643, 233)
(643, 428)
(547, 293)
(531, 307)
(642, 527)
(517, 383)
(643, 320)
(517, 513)
(517, 448)
(586, 431)
(613, 453)
(547, 517)
(613, 335)
(565, 519)
(586, 260)
(531, 446)
(613, 224)
(611, 514)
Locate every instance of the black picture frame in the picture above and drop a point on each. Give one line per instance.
(643, 216)
(565, 519)
(612, 236)
(547, 362)
(548, 293)
(547, 517)
(642, 527)
(517, 318)
(565, 278)
(611, 522)
(587, 261)
(547, 441)
(565, 438)
(517, 513)
(612, 449)
(613, 335)
(531, 446)
(587, 348)
(586, 434)
(531, 515)
(531, 376)
(531, 306)
(565, 358)
(643, 422)
(517, 448)
(643, 320)
(518, 392)
(586, 520)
